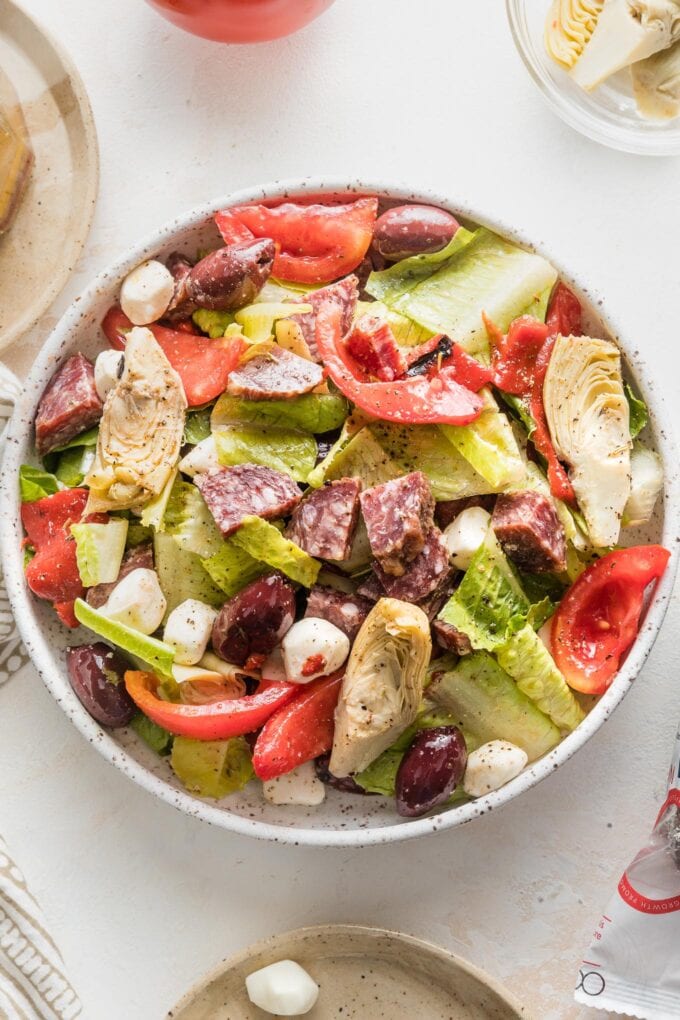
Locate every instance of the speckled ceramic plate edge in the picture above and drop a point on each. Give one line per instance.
(53, 672)
(41, 41)
(283, 946)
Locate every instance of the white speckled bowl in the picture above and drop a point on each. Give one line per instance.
(344, 820)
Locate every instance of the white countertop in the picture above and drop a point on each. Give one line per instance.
(141, 899)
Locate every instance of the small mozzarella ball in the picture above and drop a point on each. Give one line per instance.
(146, 292)
(545, 634)
(301, 786)
(491, 766)
(108, 369)
(465, 534)
(313, 647)
(137, 601)
(201, 459)
(283, 989)
(188, 630)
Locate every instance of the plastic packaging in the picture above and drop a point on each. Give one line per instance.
(633, 965)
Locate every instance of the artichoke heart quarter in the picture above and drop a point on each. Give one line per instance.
(587, 414)
(383, 684)
(140, 432)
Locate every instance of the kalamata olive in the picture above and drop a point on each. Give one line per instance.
(230, 277)
(346, 785)
(97, 675)
(409, 230)
(253, 622)
(430, 770)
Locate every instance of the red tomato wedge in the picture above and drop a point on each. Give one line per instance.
(598, 619)
(217, 720)
(564, 312)
(202, 364)
(416, 400)
(53, 572)
(514, 355)
(48, 517)
(66, 613)
(315, 243)
(300, 731)
(560, 485)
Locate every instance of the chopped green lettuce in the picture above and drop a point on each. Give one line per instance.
(390, 284)
(197, 426)
(358, 456)
(312, 412)
(231, 567)
(153, 735)
(489, 445)
(213, 323)
(637, 411)
(73, 464)
(182, 575)
(525, 658)
(88, 438)
(138, 534)
(189, 521)
(212, 768)
(257, 320)
(263, 541)
(34, 483)
(285, 450)
(99, 550)
(488, 274)
(487, 703)
(153, 514)
(381, 775)
(538, 308)
(154, 653)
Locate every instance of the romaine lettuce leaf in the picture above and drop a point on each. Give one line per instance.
(231, 567)
(212, 322)
(150, 650)
(182, 575)
(196, 426)
(263, 541)
(538, 308)
(189, 521)
(34, 483)
(99, 550)
(489, 445)
(73, 464)
(88, 438)
(487, 703)
(525, 658)
(212, 768)
(390, 284)
(489, 274)
(153, 735)
(312, 412)
(359, 455)
(257, 320)
(406, 332)
(153, 514)
(637, 411)
(293, 453)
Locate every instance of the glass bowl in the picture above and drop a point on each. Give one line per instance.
(608, 115)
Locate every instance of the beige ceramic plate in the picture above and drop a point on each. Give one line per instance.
(39, 252)
(363, 973)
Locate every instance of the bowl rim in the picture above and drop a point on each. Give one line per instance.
(53, 675)
(625, 139)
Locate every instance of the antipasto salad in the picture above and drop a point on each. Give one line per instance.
(340, 505)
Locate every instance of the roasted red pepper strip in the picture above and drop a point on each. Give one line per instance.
(300, 731)
(514, 356)
(560, 485)
(468, 371)
(202, 364)
(416, 400)
(564, 312)
(53, 572)
(217, 720)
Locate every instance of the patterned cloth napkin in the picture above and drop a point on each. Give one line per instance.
(33, 985)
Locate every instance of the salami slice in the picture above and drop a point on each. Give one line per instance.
(529, 530)
(447, 511)
(69, 405)
(398, 515)
(450, 639)
(347, 612)
(423, 575)
(141, 557)
(344, 293)
(276, 375)
(247, 489)
(324, 523)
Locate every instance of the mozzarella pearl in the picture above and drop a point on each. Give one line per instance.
(201, 459)
(137, 601)
(491, 766)
(311, 648)
(300, 786)
(146, 292)
(188, 630)
(465, 534)
(108, 369)
(283, 989)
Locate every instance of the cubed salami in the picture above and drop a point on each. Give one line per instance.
(347, 612)
(371, 588)
(447, 511)
(398, 515)
(141, 557)
(276, 375)
(372, 345)
(69, 405)
(344, 294)
(247, 489)
(423, 575)
(324, 523)
(529, 530)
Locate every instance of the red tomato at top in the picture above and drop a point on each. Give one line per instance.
(240, 21)
(598, 619)
(315, 243)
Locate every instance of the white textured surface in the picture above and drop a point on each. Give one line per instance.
(142, 899)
